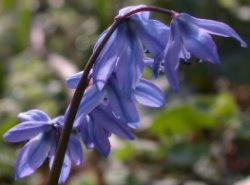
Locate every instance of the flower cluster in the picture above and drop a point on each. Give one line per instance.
(116, 85)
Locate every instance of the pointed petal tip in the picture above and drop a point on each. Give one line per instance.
(240, 40)
(17, 177)
(216, 61)
(100, 85)
(132, 137)
(173, 84)
(244, 44)
(104, 153)
(149, 94)
(159, 104)
(7, 138)
(20, 175)
(5, 135)
(162, 105)
(134, 125)
(176, 88)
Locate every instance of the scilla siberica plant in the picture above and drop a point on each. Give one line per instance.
(110, 86)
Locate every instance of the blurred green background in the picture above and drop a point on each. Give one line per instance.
(202, 137)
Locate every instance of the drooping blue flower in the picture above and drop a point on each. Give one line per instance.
(42, 134)
(96, 128)
(123, 54)
(112, 110)
(121, 104)
(190, 35)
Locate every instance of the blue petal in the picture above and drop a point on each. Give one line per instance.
(122, 105)
(65, 171)
(75, 150)
(108, 57)
(32, 155)
(84, 130)
(171, 56)
(34, 114)
(185, 54)
(91, 99)
(100, 38)
(146, 93)
(142, 15)
(154, 35)
(154, 65)
(66, 167)
(148, 62)
(130, 64)
(25, 131)
(103, 117)
(59, 120)
(53, 144)
(100, 139)
(214, 27)
(198, 42)
(73, 80)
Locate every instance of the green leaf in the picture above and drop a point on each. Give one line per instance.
(181, 119)
(7, 4)
(224, 105)
(186, 154)
(125, 152)
(229, 4)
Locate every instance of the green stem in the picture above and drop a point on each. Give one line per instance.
(81, 87)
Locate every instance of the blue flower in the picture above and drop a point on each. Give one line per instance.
(190, 35)
(96, 128)
(42, 134)
(123, 54)
(112, 111)
(122, 105)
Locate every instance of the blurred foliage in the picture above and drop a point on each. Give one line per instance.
(203, 112)
(201, 137)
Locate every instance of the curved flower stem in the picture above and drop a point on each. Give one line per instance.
(81, 87)
(147, 9)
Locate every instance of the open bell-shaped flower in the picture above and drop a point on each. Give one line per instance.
(121, 104)
(192, 35)
(123, 53)
(96, 127)
(42, 134)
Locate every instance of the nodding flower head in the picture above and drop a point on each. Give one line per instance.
(124, 52)
(121, 103)
(190, 35)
